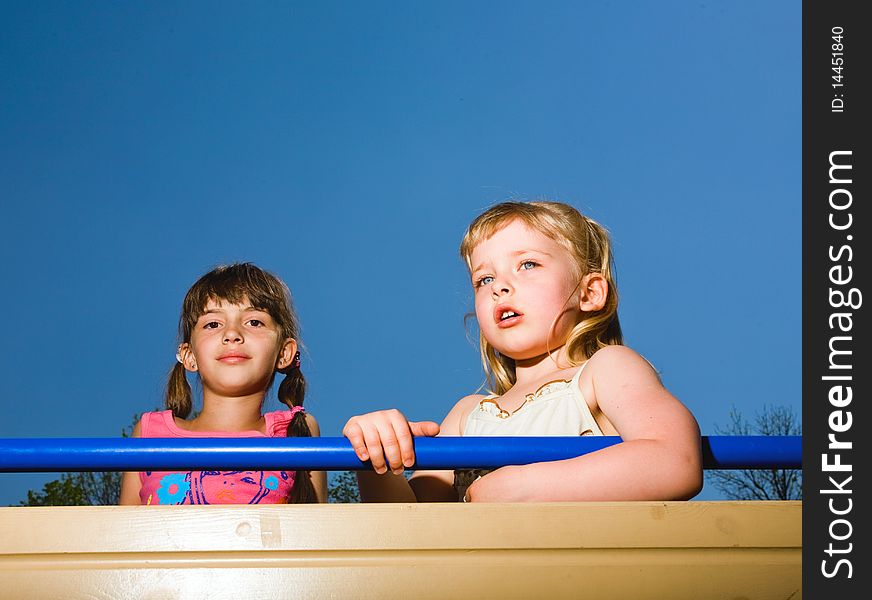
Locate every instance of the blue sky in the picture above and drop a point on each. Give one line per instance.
(346, 146)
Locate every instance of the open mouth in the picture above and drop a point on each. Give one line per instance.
(506, 316)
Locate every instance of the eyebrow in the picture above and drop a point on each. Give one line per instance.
(518, 253)
(246, 309)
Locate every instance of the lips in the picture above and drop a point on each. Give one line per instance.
(507, 316)
(233, 357)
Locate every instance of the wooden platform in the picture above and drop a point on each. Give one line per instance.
(663, 550)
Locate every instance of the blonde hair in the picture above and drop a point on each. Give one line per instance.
(234, 283)
(590, 247)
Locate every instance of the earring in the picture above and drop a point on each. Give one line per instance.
(293, 363)
(181, 358)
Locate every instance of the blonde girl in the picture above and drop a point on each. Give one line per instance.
(552, 348)
(237, 330)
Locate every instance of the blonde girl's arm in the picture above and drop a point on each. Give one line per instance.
(130, 481)
(318, 478)
(660, 457)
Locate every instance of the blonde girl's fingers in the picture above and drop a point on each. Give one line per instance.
(374, 448)
(354, 433)
(405, 441)
(391, 444)
(424, 428)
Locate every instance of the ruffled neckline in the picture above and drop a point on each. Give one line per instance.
(491, 406)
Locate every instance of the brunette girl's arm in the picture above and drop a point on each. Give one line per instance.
(660, 456)
(131, 484)
(318, 478)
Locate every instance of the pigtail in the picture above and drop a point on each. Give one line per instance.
(292, 390)
(178, 397)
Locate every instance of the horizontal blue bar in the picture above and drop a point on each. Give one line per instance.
(21, 455)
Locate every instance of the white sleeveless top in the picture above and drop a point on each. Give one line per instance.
(556, 408)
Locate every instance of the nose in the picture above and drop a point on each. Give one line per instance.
(232, 335)
(501, 287)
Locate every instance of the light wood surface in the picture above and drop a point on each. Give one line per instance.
(634, 550)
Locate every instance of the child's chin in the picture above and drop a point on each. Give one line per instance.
(518, 354)
(235, 389)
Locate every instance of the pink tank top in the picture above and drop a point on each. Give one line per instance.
(215, 487)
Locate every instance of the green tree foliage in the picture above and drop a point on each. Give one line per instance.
(342, 487)
(760, 484)
(66, 491)
(77, 489)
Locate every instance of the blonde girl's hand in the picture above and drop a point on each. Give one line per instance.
(385, 438)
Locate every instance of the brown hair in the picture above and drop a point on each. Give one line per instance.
(589, 245)
(234, 283)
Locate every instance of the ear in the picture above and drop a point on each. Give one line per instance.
(287, 351)
(593, 292)
(185, 355)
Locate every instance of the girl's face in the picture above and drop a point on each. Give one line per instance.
(526, 297)
(236, 348)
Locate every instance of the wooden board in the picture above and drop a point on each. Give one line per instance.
(563, 550)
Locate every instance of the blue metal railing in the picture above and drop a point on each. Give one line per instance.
(21, 455)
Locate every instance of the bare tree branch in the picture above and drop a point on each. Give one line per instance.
(762, 484)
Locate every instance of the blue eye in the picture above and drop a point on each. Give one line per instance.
(487, 279)
(528, 264)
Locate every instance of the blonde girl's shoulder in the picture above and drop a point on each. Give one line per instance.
(615, 363)
(456, 417)
(468, 403)
(470, 400)
(615, 354)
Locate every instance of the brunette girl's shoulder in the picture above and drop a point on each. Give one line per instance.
(312, 422)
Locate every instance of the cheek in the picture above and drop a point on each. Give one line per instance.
(482, 310)
(559, 304)
(203, 344)
(565, 292)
